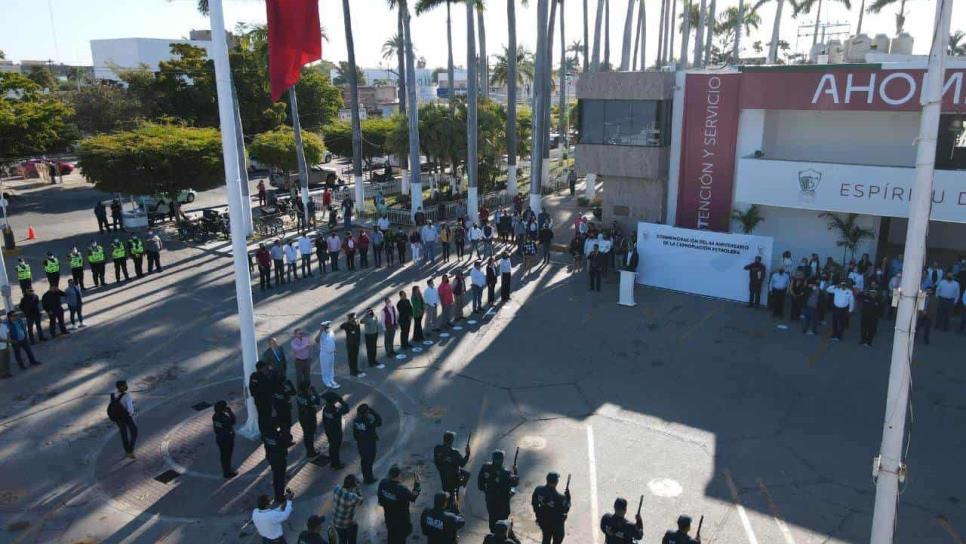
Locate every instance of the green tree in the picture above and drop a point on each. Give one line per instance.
(422, 6)
(375, 132)
(103, 108)
(748, 219)
(153, 158)
(342, 79)
(957, 44)
(276, 148)
(319, 100)
(850, 233)
(42, 76)
(524, 67)
(31, 121)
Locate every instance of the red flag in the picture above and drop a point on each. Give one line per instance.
(294, 40)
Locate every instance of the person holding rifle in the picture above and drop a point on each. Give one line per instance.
(617, 529)
(441, 523)
(449, 462)
(681, 535)
(550, 508)
(395, 498)
(498, 483)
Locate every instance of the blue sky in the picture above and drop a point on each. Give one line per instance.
(61, 29)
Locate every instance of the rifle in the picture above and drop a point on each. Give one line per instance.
(697, 536)
(515, 456)
(639, 505)
(468, 438)
(567, 488)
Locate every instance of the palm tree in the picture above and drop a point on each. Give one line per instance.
(879, 5)
(710, 29)
(699, 34)
(524, 68)
(472, 133)
(510, 78)
(422, 6)
(728, 27)
(546, 79)
(401, 80)
(805, 6)
(748, 219)
(354, 108)
(562, 93)
(577, 49)
(586, 35)
(661, 33)
(415, 167)
(392, 46)
(957, 44)
(628, 32)
(640, 33)
(736, 52)
(607, 63)
(776, 28)
(538, 128)
(484, 68)
(690, 16)
(595, 55)
(850, 233)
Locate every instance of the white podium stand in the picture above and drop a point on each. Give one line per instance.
(628, 278)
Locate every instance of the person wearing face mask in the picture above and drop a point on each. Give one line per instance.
(370, 330)
(352, 337)
(756, 278)
(843, 303)
(301, 351)
(947, 293)
(777, 287)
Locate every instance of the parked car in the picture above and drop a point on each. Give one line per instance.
(28, 169)
(186, 196)
(319, 177)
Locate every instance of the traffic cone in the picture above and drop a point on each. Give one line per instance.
(31, 234)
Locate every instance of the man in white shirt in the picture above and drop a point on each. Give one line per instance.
(333, 244)
(475, 236)
(431, 300)
(857, 279)
(777, 287)
(478, 282)
(947, 292)
(326, 342)
(305, 248)
(383, 223)
(291, 260)
(268, 521)
(429, 236)
(278, 259)
(843, 302)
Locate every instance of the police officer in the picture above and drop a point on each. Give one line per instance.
(449, 462)
(395, 498)
(332, 414)
(282, 406)
(52, 269)
(502, 533)
(24, 275)
(261, 386)
(119, 256)
(136, 247)
(308, 403)
(681, 535)
(497, 483)
(551, 509)
(353, 336)
(76, 262)
(364, 431)
(223, 420)
(616, 528)
(441, 523)
(95, 257)
(276, 453)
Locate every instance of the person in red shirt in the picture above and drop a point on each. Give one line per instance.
(326, 198)
(446, 300)
(484, 214)
(262, 194)
(349, 248)
(362, 243)
(264, 259)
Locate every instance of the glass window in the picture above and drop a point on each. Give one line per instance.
(642, 123)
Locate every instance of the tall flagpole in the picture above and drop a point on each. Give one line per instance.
(889, 466)
(300, 154)
(239, 248)
(246, 197)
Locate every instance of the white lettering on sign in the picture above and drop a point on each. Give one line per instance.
(710, 140)
(896, 89)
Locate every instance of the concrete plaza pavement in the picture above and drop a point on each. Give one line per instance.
(703, 406)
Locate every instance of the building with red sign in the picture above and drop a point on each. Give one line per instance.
(797, 141)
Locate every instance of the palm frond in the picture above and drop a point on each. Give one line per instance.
(879, 5)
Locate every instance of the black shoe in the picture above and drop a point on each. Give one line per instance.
(230, 475)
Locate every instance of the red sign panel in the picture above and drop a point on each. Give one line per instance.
(845, 88)
(708, 140)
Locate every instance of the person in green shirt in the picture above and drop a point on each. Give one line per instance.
(136, 248)
(119, 256)
(76, 262)
(52, 269)
(96, 257)
(419, 306)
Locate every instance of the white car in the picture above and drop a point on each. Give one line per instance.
(184, 197)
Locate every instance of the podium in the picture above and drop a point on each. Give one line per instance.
(628, 279)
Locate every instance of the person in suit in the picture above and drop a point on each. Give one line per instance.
(632, 259)
(275, 356)
(404, 310)
(595, 263)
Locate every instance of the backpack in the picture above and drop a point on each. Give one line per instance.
(116, 410)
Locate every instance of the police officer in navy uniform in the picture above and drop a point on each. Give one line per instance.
(223, 420)
(441, 523)
(681, 535)
(497, 483)
(277, 455)
(502, 533)
(395, 498)
(261, 386)
(364, 431)
(282, 406)
(332, 414)
(550, 508)
(450, 462)
(308, 403)
(617, 529)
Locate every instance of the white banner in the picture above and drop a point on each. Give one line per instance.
(871, 190)
(698, 261)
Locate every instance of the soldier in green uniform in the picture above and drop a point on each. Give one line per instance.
(52, 269)
(76, 262)
(119, 256)
(136, 248)
(24, 275)
(95, 256)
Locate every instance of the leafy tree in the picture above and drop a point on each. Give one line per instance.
(276, 148)
(42, 76)
(957, 44)
(748, 219)
(31, 121)
(103, 108)
(153, 158)
(525, 67)
(319, 100)
(375, 132)
(849, 231)
(342, 78)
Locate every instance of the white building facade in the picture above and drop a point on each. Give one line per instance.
(132, 53)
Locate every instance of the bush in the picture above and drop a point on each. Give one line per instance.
(276, 148)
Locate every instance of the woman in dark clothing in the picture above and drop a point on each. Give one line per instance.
(416, 299)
